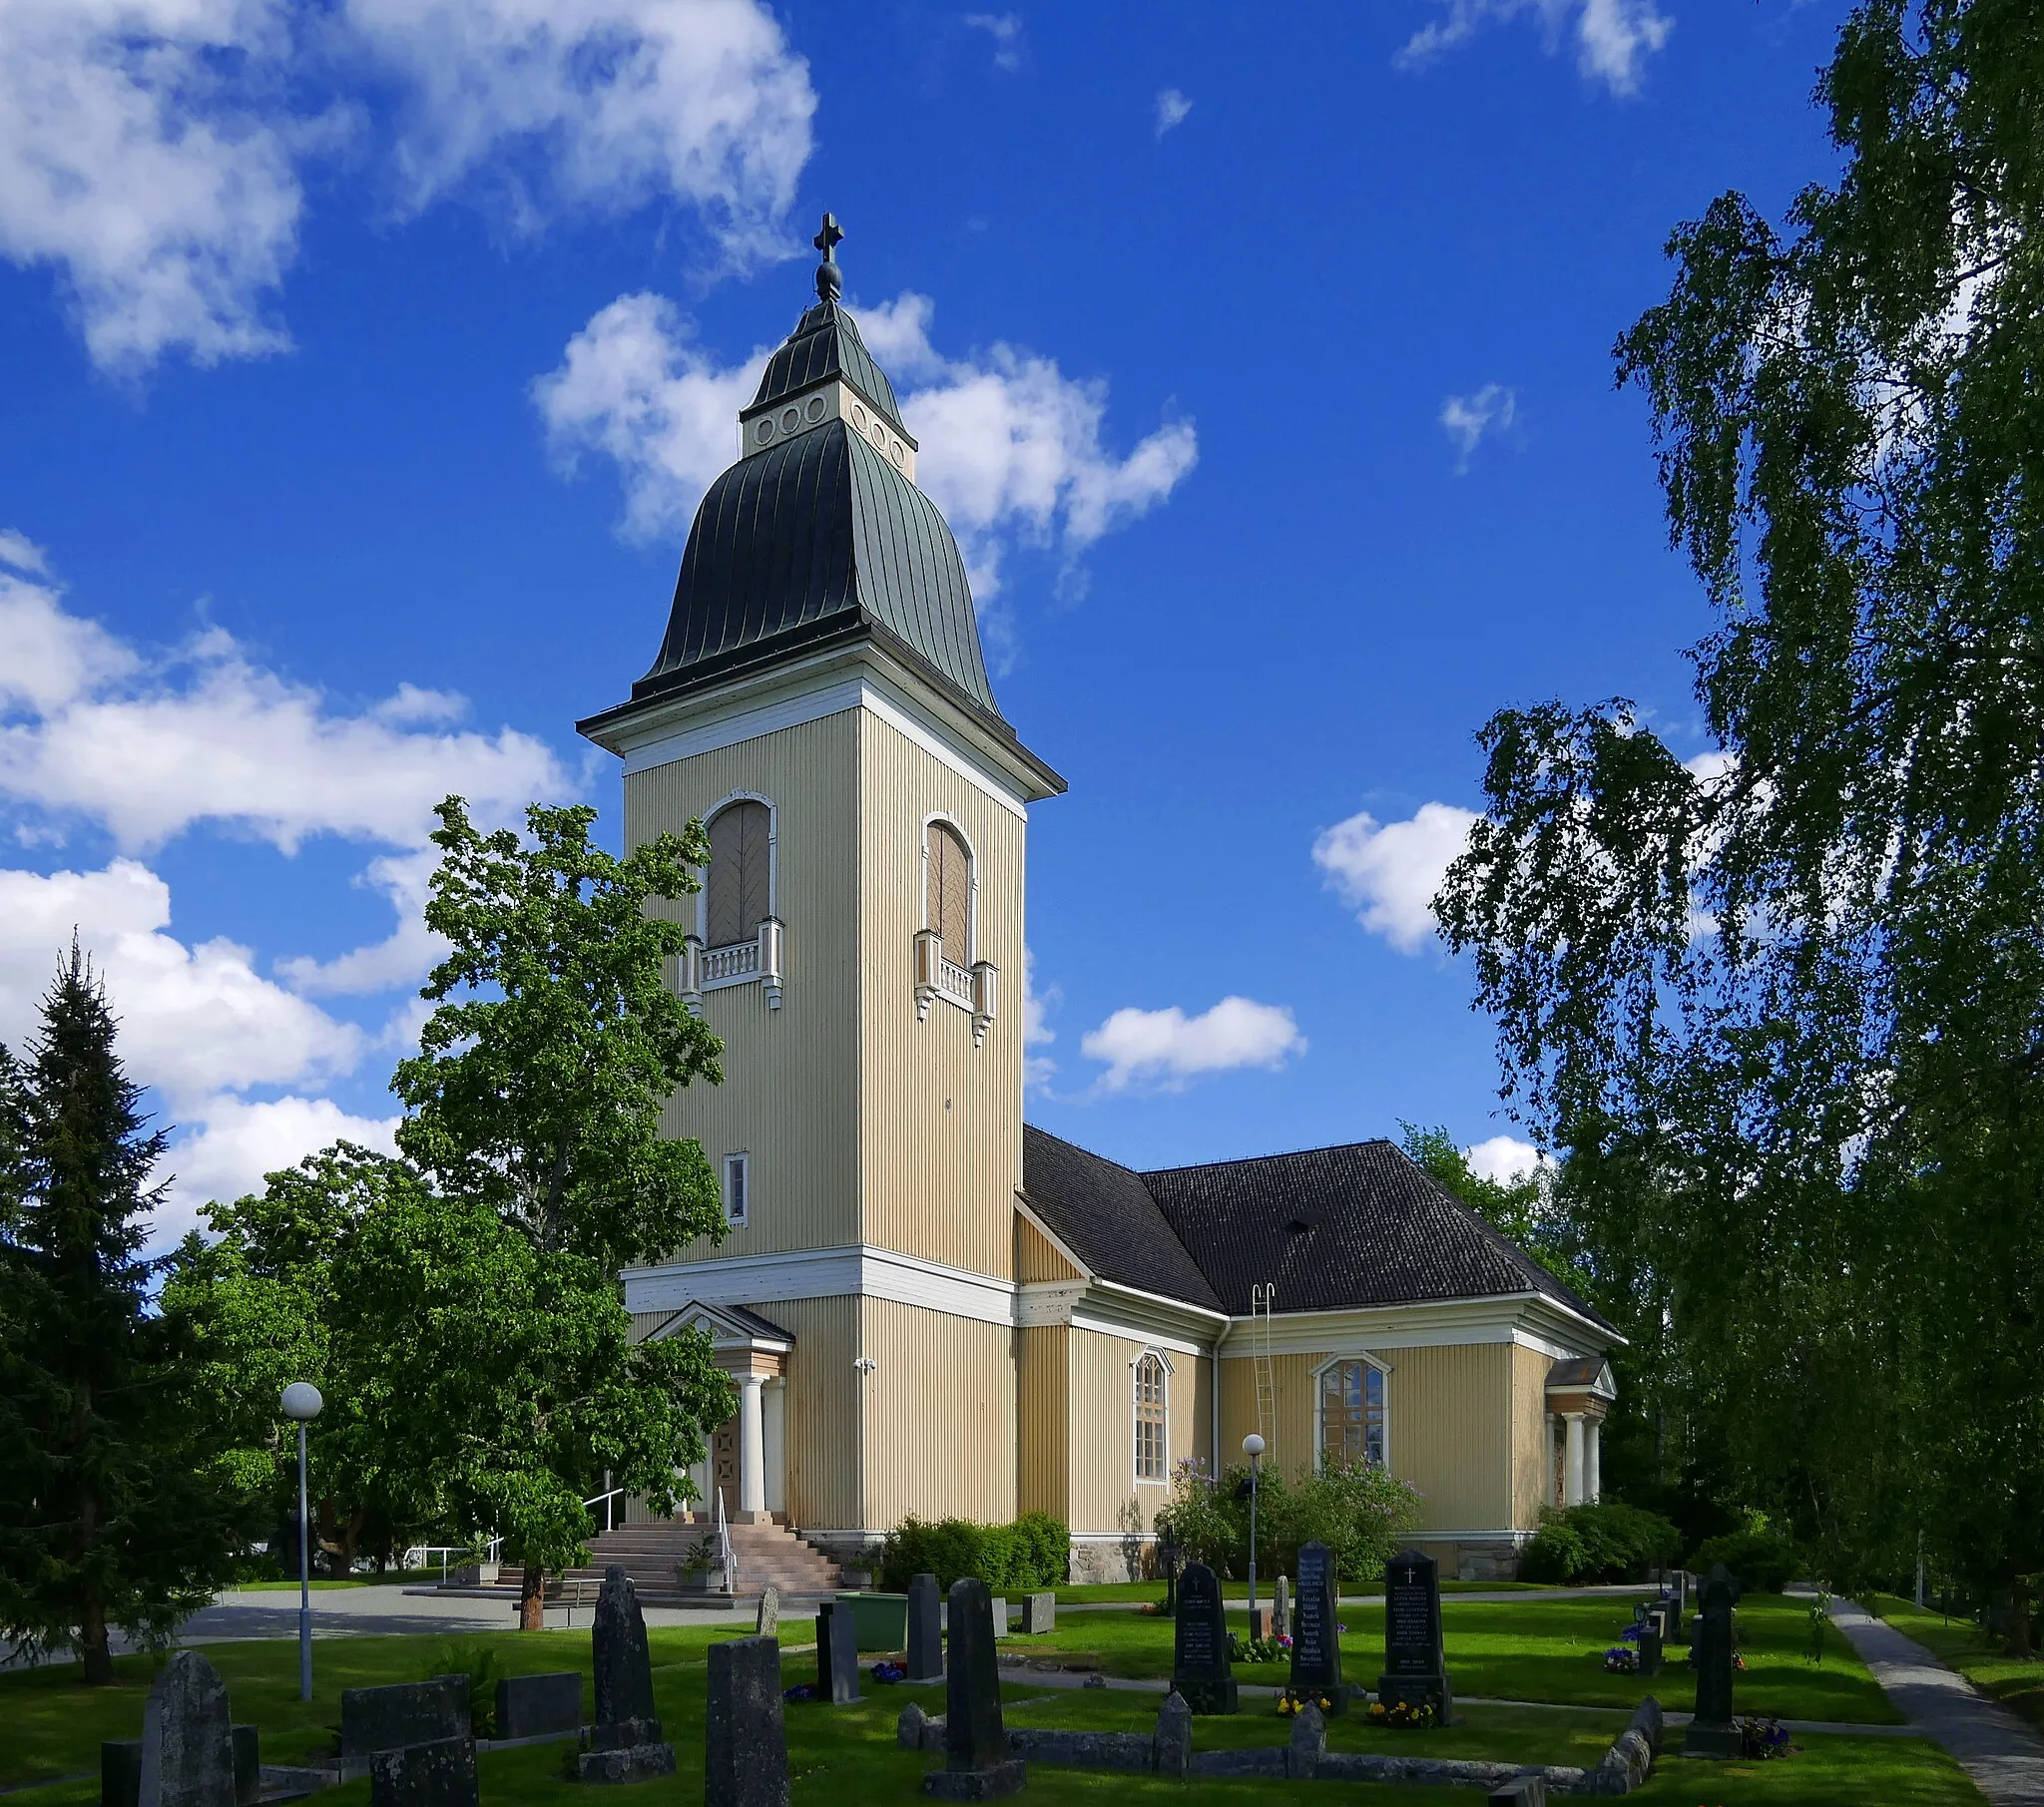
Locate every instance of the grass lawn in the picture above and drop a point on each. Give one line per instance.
(1136, 1592)
(1537, 1649)
(845, 1756)
(1961, 1643)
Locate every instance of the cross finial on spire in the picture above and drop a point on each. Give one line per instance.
(829, 285)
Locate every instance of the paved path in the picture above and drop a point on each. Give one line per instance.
(1237, 1600)
(1999, 1752)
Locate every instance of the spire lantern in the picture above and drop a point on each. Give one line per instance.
(830, 282)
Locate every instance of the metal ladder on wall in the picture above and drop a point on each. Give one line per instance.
(1260, 1299)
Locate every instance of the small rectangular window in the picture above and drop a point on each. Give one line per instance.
(737, 1177)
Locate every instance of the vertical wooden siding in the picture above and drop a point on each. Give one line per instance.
(790, 1093)
(1043, 1420)
(940, 1121)
(823, 1413)
(1105, 1494)
(1451, 1432)
(939, 1411)
(1532, 1471)
(1035, 1259)
(1293, 1445)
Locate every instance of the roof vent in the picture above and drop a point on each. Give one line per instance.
(1304, 1220)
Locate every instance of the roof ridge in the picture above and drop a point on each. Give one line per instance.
(1244, 1161)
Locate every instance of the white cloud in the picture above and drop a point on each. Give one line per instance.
(1167, 1048)
(1012, 449)
(382, 966)
(1613, 37)
(22, 553)
(239, 1143)
(152, 151)
(1504, 1158)
(1172, 107)
(1470, 419)
(1389, 872)
(1006, 31)
(1037, 1002)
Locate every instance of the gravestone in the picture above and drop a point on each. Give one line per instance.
(768, 1623)
(625, 1742)
(187, 1749)
(1258, 1628)
(1650, 1648)
(1174, 1737)
(925, 1629)
(745, 1738)
(1520, 1791)
(1711, 1732)
(389, 1718)
(999, 1606)
(538, 1706)
(1281, 1609)
(121, 1772)
(1199, 1670)
(1415, 1669)
(977, 1766)
(248, 1765)
(836, 1654)
(440, 1774)
(1039, 1613)
(1308, 1743)
(1315, 1632)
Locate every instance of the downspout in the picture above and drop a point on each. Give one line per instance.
(1214, 1403)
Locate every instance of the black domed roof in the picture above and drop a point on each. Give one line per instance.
(825, 343)
(815, 536)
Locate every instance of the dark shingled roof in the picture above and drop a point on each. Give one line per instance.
(1332, 1228)
(1105, 1215)
(816, 536)
(825, 343)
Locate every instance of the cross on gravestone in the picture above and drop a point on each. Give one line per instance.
(744, 1736)
(1712, 1733)
(925, 1629)
(1415, 1668)
(438, 1773)
(1315, 1632)
(1199, 1670)
(188, 1747)
(1281, 1609)
(626, 1743)
(977, 1766)
(767, 1621)
(837, 1653)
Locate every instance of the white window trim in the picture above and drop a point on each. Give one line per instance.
(972, 950)
(1135, 1368)
(740, 1159)
(1320, 1416)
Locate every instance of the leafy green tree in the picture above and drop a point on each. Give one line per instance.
(1784, 1002)
(111, 1514)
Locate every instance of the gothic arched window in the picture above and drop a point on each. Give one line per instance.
(741, 882)
(947, 898)
(1150, 1418)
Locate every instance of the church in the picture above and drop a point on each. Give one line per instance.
(931, 1308)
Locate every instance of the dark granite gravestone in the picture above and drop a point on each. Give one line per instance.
(768, 1623)
(745, 1740)
(1415, 1669)
(1712, 1733)
(1650, 1649)
(437, 1774)
(925, 1629)
(1199, 1670)
(248, 1765)
(389, 1718)
(837, 1653)
(121, 1772)
(977, 1766)
(188, 1748)
(1315, 1632)
(538, 1706)
(625, 1742)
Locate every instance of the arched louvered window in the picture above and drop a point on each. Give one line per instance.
(948, 903)
(740, 873)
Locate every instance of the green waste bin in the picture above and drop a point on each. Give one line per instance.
(880, 1619)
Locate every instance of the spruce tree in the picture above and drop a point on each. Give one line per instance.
(111, 1513)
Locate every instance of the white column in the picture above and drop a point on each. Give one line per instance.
(774, 1404)
(1593, 1463)
(752, 1447)
(1572, 1469)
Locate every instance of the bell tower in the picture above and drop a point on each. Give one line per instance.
(820, 701)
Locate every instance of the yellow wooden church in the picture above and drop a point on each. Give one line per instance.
(931, 1308)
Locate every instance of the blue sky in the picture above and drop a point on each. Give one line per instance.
(361, 364)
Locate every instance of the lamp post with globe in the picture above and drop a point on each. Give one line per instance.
(302, 1403)
(1252, 1448)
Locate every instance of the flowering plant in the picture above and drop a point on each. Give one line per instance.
(1257, 1649)
(889, 1672)
(1290, 1703)
(1404, 1716)
(803, 1690)
(1764, 1739)
(1621, 1659)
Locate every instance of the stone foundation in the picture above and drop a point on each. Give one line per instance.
(1097, 1560)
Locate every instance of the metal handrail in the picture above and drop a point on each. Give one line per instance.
(724, 1549)
(604, 1499)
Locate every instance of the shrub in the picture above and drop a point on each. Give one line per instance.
(1358, 1511)
(1555, 1555)
(1607, 1541)
(1031, 1552)
(1760, 1561)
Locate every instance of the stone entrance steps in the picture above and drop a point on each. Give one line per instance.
(647, 1553)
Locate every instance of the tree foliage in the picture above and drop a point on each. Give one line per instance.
(112, 1511)
(1783, 1004)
